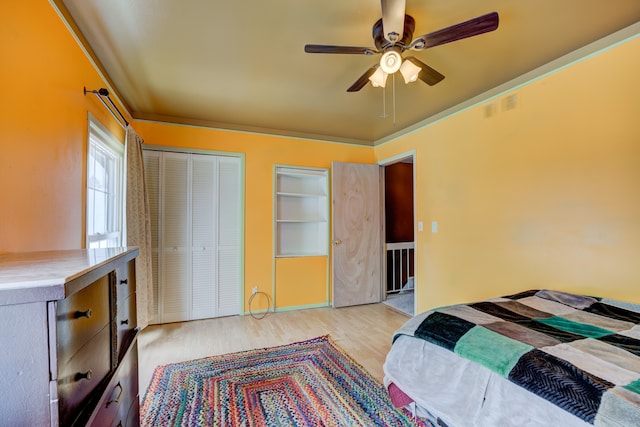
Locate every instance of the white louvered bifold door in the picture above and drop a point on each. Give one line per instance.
(204, 201)
(175, 273)
(230, 235)
(195, 203)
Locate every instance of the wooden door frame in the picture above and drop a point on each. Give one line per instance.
(383, 163)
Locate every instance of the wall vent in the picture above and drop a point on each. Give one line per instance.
(510, 102)
(490, 110)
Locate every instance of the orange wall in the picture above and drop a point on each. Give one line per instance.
(546, 195)
(43, 128)
(301, 282)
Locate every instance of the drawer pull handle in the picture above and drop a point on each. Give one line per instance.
(117, 399)
(87, 313)
(84, 375)
(124, 322)
(124, 281)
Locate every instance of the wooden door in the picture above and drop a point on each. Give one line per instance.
(357, 244)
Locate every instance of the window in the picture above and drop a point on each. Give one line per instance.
(104, 188)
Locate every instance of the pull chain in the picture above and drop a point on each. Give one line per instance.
(384, 104)
(394, 98)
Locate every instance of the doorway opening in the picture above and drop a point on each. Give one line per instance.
(399, 236)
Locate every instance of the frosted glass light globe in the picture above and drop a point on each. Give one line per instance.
(390, 62)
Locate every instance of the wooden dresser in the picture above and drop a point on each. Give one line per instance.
(68, 338)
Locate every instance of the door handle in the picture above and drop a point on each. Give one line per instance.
(337, 242)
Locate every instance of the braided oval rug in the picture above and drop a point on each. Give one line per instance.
(309, 383)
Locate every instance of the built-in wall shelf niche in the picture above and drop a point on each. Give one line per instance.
(301, 211)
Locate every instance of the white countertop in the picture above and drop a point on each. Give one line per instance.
(46, 273)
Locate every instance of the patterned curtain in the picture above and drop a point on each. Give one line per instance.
(139, 225)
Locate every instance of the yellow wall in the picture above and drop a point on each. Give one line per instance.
(546, 195)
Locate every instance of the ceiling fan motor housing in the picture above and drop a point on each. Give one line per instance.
(383, 44)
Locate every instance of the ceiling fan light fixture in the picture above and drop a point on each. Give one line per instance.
(379, 78)
(409, 71)
(390, 61)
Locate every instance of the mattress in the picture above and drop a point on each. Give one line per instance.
(538, 358)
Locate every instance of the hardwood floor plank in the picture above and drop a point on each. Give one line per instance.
(364, 332)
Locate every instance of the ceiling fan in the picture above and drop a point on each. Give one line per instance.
(393, 35)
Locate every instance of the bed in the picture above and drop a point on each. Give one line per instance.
(537, 358)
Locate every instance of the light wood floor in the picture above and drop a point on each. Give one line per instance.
(364, 332)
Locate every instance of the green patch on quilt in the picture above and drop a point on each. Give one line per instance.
(490, 349)
(574, 327)
(634, 386)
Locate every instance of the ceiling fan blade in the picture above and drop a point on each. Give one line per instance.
(352, 50)
(363, 79)
(427, 74)
(473, 27)
(393, 19)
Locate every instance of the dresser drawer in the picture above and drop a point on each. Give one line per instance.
(82, 373)
(117, 402)
(129, 399)
(126, 322)
(80, 317)
(126, 279)
(133, 417)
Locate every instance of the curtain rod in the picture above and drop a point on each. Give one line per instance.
(102, 92)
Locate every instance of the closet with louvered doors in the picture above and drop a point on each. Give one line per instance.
(196, 218)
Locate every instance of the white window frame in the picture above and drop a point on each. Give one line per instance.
(102, 142)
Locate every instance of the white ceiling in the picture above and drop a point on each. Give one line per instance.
(240, 64)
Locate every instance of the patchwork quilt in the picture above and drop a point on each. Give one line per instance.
(578, 352)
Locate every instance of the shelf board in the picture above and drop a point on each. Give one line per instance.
(299, 254)
(307, 173)
(309, 195)
(319, 221)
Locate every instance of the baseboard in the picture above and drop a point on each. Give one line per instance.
(302, 307)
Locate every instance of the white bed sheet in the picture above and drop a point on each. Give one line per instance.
(463, 393)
